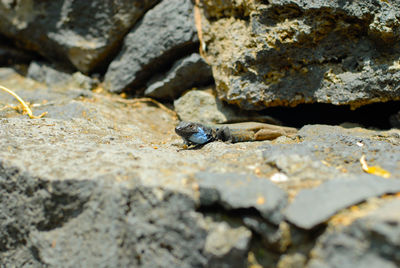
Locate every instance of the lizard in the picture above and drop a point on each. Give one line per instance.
(199, 134)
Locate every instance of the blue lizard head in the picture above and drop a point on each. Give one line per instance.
(193, 132)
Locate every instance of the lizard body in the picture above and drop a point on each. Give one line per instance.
(197, 134)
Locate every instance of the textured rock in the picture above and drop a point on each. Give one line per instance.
(334, 151)
(165, 33)
(395, 120)
(227, 247)
(78, 33)
(202, 106)
(44, 73)
(10, 55)
(372, 241)
(113, 219)
(103, 181)
(276, 238)
(183, 75)
(51, 76)
(285, 52)
(335, 195)
(233, 191)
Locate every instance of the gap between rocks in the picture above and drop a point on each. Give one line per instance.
(268, 242)
(377, 115)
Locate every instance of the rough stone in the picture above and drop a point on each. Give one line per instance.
(57, 102)
(166, 33)
(46, 74)
(51, 76)
(184, 74)
(335, 195)
(204, 107)
(227, 247)
(395, 120)
(285, 52)
(299, 166)
(273, 237)
(43, 217)
(293, 261)
(103, 181)
(372, 241)
(334, 151)
(10, 55)
(233, 191)
(82, 34)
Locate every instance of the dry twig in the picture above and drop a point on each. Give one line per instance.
(25, 106)
(375, 170)
(158, 104)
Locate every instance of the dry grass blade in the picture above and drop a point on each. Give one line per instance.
(375, 170)
(160, 105)
(197, 22)
(25, 106)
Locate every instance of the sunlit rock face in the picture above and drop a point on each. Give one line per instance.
(282, 52)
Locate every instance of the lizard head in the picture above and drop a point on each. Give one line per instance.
(186, 129)
(194, 133)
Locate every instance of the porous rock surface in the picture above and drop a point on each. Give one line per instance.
(288, 52)
(102, 181)
(83, 34)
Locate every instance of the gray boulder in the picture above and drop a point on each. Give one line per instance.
(102, 181)
(184, 74)
(335, 195)
(83, 34)
(54, 77)
(372, 241)
(234, 191)
(165, 34)
(204, 107)
(10, 55)
(285, 53)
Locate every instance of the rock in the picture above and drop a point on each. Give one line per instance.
(372, 241)
(395, 120)
(184, 74)
(234, 191)
(51, 76)
(284, 53)
(80, 34)
(202, 106)
(296, 260)
(72, 189)
(333, 196)
(101, 181)
(80, 80)
(165, 34)
(113, 218)
(299, 166)
(10, 55)
(275, 238)
(46, 74)
(227, 247)
(324, 148)
(58, 102)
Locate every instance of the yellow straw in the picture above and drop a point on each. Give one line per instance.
(25, 107)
